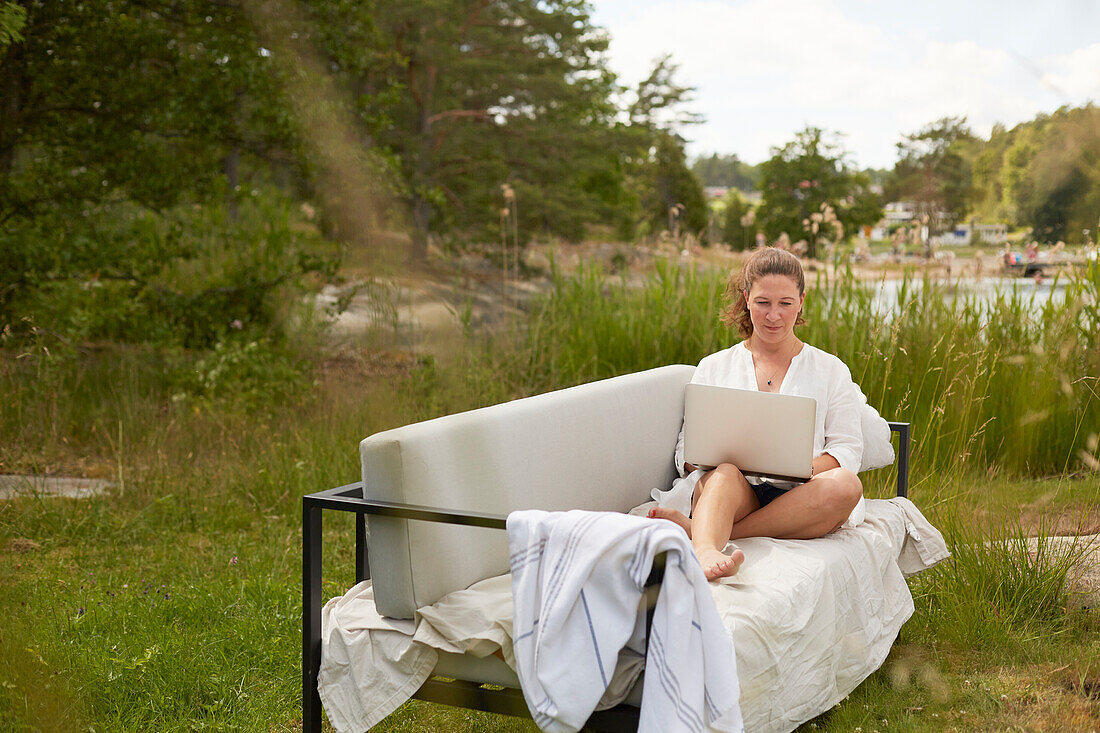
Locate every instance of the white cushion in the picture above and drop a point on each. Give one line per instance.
(598, 446)
(877, 449)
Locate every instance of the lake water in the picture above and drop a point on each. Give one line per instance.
(1035, 295)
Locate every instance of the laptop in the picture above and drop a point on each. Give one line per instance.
(762, 433)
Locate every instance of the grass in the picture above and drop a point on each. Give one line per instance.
(172, 603)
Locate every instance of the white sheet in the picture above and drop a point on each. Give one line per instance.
(577, 581)
(810, 619)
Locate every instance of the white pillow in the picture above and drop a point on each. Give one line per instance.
(877, 449)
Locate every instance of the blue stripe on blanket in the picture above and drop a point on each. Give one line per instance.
(542, 720)
(712, 709)
(521, 637)
(523, 557)
(656, 662)
(565, 560)
(595, 644)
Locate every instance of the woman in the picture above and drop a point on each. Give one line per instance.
(764, 301)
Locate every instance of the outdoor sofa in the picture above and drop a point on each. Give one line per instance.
(810, 619)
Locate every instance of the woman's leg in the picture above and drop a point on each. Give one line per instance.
(810, 510)
(722, 498)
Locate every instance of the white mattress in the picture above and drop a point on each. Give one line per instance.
(811, 619)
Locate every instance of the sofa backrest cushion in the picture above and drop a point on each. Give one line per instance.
(598, 446)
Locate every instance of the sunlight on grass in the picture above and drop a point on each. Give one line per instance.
(173, 602)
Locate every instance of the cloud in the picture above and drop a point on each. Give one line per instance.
(1076, 75)
(765, 70)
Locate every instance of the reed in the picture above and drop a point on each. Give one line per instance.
(990, 386)
(172, 602)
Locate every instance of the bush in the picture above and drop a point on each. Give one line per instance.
(182, 277)
(246, 373)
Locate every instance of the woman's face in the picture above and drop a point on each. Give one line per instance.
(774, 304)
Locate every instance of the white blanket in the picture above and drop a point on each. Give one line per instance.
(577, 582)
(810, 619)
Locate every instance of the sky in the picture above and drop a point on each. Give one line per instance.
(870, 70)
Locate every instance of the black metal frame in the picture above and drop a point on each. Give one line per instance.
(460, 693)
(902, 429)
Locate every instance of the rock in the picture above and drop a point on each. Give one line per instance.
(535, 260)
(12, 486)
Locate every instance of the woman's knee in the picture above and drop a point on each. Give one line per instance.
(725, 480)
(843, 490)
(729, 473)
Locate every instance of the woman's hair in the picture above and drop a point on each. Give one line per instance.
(764, 261)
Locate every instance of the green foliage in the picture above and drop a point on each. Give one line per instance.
(139, 148)
(174, 102)
(589, 329)
(157, 105)
(728, 171)
(738, 220)
(669, 194)
(673, 198)
(468, 96)
(1043, 174)
(802, 178)
(934, 171)
(186, 277)
(12, 19)
(245, 373)
(998, 586)
(1053, 173)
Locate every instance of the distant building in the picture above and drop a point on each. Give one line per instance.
(905, 214)
(899, 212)
(965, 234)
(895, 214)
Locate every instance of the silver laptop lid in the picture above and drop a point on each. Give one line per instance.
(762, 433)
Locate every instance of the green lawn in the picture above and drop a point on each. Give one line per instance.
(173, 601)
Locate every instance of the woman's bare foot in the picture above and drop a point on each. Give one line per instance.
(717, 564)
(672, 515)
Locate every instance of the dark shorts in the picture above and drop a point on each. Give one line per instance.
(766, 492)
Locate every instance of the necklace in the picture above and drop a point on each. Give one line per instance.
(784, 363)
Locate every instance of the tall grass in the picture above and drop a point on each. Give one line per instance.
(1004, 583)
(988, 385)
(172, 602)
(590, 327)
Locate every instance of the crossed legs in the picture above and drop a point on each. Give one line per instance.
(725, 508)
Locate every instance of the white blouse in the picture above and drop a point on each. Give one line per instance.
(813, 373)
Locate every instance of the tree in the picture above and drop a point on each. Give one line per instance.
(156, 105)
(467, 96)
(1043, 174)
(670, 194)
(119, 126)
(934, 171)
(727, 171)
(1051, 174)
(673, 197)
(12, 19)
(804, 177)
(738, 231)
